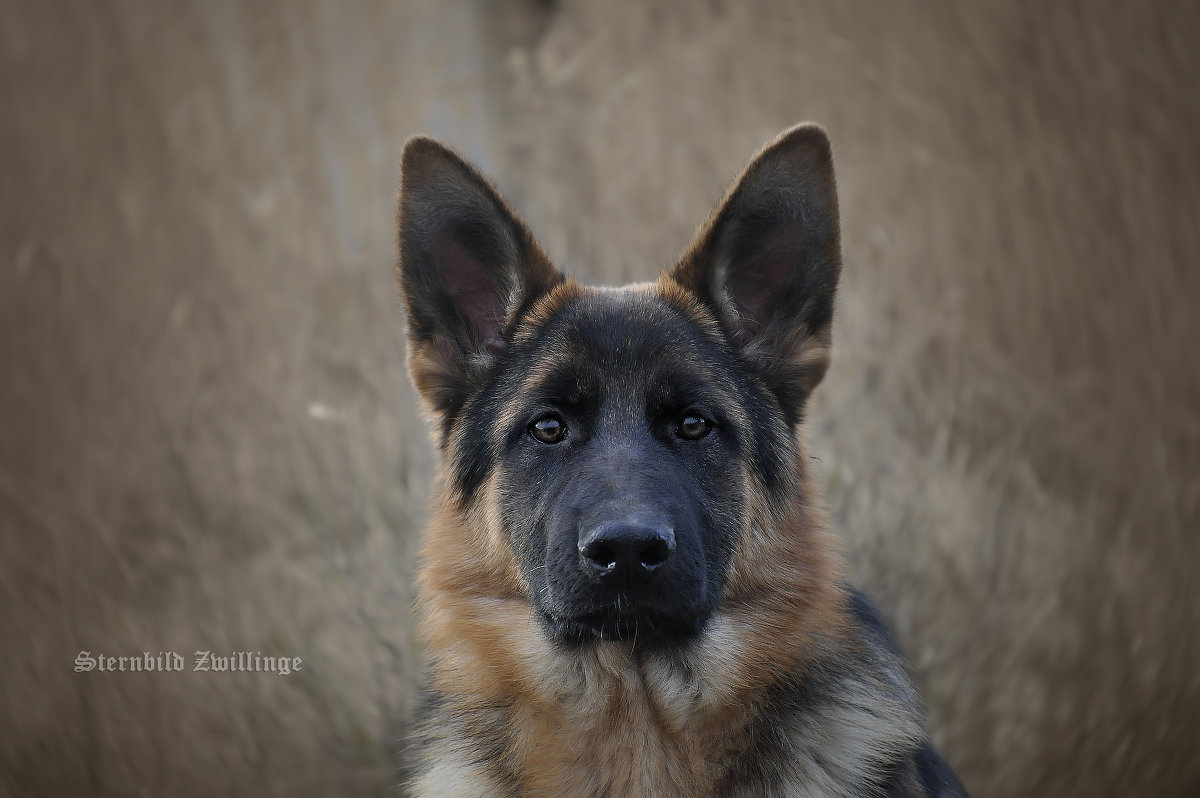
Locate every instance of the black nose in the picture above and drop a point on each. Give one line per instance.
(625, 552)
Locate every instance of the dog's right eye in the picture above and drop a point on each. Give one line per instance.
(548, 429)
(693, 427)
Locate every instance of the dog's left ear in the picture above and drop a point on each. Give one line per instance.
(767, 263)
(468, 268)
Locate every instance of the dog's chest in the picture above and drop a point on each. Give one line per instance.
(626, 746)
(625, 751)
(644, 743)
(631, 756)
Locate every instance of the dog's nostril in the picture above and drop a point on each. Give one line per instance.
(654, 555)
(602, 554)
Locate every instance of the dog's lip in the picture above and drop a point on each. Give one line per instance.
(608, 624)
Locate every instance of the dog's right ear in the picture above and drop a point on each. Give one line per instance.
(468, 268)
(767, 263)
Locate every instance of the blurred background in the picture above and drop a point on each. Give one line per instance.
(208, 439)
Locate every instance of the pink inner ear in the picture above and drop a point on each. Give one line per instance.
(755, 286)
(473, 291)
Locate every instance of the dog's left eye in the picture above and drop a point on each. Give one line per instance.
(693, 427)
(548, 429)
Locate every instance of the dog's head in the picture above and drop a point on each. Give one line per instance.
(620, 442)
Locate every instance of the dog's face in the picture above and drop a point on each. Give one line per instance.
(625, 438)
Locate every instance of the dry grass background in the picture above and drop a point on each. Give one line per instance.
(208, 439)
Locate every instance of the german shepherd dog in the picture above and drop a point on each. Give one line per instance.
(628, 588)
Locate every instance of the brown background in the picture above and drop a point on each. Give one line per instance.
(208, 441)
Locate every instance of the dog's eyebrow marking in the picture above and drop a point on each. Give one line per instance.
(558, 379)
(560, 376)
(681, 390)
(567, 385)
(674, 392)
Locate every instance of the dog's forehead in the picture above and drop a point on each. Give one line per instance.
(625, 329)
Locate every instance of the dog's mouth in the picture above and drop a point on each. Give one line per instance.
(633, 626)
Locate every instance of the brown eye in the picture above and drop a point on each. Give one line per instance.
(693, 427)
(548, 429)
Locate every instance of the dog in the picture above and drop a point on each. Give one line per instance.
(628, 587)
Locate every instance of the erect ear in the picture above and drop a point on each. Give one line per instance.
(767, 263)
(468, 267)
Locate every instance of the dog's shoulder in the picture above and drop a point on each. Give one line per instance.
(849, 722)
(918, 769)
(922, 771)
